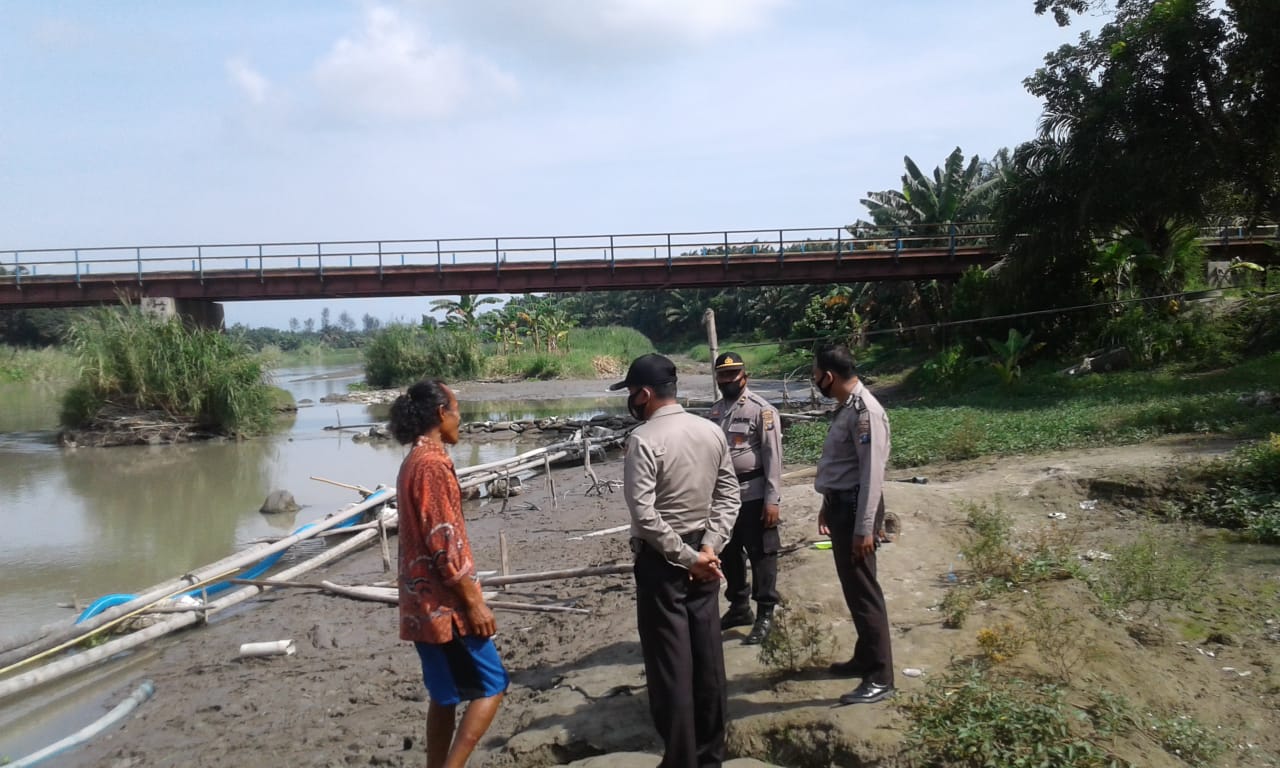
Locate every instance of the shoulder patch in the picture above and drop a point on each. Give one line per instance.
(767, 415)
(858, 405)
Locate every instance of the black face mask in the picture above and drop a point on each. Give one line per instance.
(826, 391)
(634, 408)
(731, 389)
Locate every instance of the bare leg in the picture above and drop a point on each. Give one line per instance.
(475, 721)
(439, 733)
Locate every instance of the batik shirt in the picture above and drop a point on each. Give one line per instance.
(435, 554)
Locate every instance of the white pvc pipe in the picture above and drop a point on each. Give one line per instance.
(268, 648)
(121, 710)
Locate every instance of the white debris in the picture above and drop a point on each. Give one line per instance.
(1097, 554)
(912, 672)
(1089, 504)
(1057, 515)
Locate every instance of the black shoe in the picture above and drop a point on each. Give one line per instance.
(850, 668)
(867, 693)
(737, 617)
(764, 623)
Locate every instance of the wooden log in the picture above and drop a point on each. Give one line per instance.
(567, 573)
(503, 605)
(58, 669)
(504, 567)
(605, 532)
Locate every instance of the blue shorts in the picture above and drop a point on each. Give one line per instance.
(463, 669)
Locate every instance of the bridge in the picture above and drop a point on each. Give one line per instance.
(196, 274)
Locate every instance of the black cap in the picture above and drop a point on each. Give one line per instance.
(729, 360)
(648, 371)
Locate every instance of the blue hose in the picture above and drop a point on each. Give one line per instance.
(254, 571)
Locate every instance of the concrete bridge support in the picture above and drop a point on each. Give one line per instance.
(194, 312)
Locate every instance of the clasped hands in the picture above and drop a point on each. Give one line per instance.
(707, 567)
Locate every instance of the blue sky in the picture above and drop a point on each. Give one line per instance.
(147, 123)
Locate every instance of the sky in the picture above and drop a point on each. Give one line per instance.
(241, 121)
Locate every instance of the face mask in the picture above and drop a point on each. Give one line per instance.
(634, 407)
(731, 389)
(826, 390)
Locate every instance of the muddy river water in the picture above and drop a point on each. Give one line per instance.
(77, 524)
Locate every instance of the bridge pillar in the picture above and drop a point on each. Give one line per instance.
(194, 312)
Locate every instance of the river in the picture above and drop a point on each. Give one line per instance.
(81, 523)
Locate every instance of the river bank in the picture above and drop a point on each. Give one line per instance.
(352, 696)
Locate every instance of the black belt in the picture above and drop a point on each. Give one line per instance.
(692, 539)
(751, 474)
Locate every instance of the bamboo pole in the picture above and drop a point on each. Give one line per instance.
(185, 583)
(605, 532)
(360, 489)
(502, 553)
(503, 605)
(567, 573)
(63, 667)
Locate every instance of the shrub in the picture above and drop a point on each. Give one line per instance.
(955, 607)
(1000, 643)
(947, 370)
(1155, 570)
(797, 641)
(970, 720)
(132, 360)
(402, 354)
(1244, 492)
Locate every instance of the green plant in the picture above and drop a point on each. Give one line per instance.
(1008, 355)
(1057, 636)
(1184, 737)
(134, 361)
(946, 370)
(1112, 714)
(989, 549)
(797, 641)
(401, 354)
(1000, 643)
(955, 607)
(1155, 570)
(971, 720)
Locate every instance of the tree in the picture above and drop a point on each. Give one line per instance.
(370, 323)
(294, 325)
(324, 319)
(958, 192)
(345, 322)
(464, 311)
(309, 324)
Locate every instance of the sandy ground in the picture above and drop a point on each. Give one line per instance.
(352, 694)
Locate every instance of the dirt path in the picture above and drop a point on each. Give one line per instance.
(351, 695)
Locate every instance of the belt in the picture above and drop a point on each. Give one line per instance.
(838, 495)
(750, 475)
(694, 540)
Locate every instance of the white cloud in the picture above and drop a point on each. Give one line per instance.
(248, 80)
(389, 72)
(699, 21)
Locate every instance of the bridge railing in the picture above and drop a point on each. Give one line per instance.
(202, 260)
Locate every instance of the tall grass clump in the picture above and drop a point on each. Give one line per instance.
(18, 364)
(402, 354)
(585, 353)
(132, 361)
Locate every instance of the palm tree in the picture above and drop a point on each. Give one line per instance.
(956, 193)
(462, 313)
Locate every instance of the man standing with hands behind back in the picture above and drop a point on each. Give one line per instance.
(753, 430)
(683, 497)
(851, 481)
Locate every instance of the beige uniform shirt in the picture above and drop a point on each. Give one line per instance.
(754, 432)
(677, 480)
(855, 454)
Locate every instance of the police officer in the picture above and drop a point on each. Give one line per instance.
(851, 481)
(683, 497)
(752, 428)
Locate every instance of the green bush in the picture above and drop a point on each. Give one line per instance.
(401, 354)
(1243, 493)
(134, 361)
(969, 719)
(945, 371)
(1155, 570)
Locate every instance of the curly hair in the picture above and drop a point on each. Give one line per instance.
(417, 411)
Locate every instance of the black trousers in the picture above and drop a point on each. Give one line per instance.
(863, 596)
(751, 540)
(679, 623)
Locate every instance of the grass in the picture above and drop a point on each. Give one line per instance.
(880, 362)
(585, 353)
(310, 354)
(133, 361)
(400, 355)
(18, 364)
(1049, 411)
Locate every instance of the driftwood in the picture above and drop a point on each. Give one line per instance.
(568, 573)
(390, 596)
